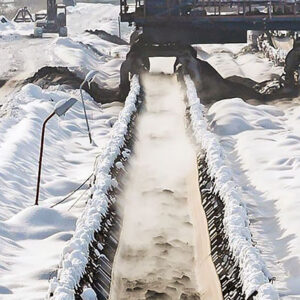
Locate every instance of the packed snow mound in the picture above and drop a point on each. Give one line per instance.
(230, 60)
(33, 91)
(42, 216)
(91, 53)
(20, 140)
(36, 223)
(12, 29)
(228, 117)
(265, 158)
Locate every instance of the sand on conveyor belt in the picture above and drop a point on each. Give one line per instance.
(163, 253)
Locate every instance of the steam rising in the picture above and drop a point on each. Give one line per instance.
(155, 258)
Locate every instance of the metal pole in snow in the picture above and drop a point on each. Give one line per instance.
(85, 115)
(59, 111)
(41, 159)
(88, 79)
(119, 26)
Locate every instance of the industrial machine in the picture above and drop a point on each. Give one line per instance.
(205, 21)
(169, 27)
(55, 21)
(23, 16)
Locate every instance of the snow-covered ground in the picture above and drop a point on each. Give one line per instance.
(261, 144)
(76, 252)
(31, 237)
(262, 148)
(229, 60)
(254, 274)
(21, 56)
(9, 29)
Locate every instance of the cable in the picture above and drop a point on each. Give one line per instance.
(72, 193)
(77, 200)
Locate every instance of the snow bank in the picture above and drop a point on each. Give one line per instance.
(233, 60)
(254, 274)
(30, 251)
(31, 237)
(11, 30)
(81, 59)
(265, 160)
(76, 252)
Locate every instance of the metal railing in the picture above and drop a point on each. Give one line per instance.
(216, 8)
(248, 7)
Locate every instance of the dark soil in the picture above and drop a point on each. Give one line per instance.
(242, 80)
(212, 87)
(49, 76)
(2, 82)
(107, 37)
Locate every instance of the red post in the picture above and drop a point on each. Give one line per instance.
(41, 159)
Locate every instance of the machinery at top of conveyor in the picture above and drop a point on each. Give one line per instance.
(207, 22)
(169, 27)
